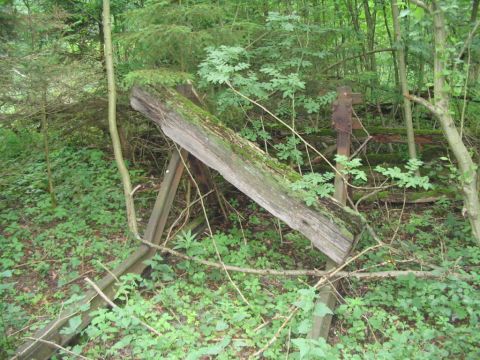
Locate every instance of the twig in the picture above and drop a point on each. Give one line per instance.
(46, 333)
(468, 41)
(76, 278)
(400, 217)
(306, 272)
(369, 137)
(113, 305)
(169, 237)
(109, 271)
(135, 189)
(421, 4)
(55, 345)
(211, 232)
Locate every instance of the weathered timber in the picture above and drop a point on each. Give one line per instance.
(329, 225)
(135, 263)
(380, 135)
(343, 124)
(417, 197)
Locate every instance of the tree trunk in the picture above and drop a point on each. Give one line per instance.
(112, 121)
(440, 108)
(473, 16)
(402, 74)
(46, 148)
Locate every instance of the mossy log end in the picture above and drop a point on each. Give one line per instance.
(328, 224)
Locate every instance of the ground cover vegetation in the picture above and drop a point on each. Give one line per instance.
(269, 70)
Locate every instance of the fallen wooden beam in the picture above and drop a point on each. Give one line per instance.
(329, 225)
(383, 135)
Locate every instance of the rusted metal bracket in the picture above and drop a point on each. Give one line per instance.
(343, 124)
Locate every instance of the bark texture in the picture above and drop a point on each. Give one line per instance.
(402, 74)
(329, 225)
(441, 109)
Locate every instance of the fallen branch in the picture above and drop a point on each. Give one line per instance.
(59, 347)
(313, 272)
(294, 309)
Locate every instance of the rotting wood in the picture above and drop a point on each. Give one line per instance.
(163, 203)
(329, 225)
(381, 135)
(135, 263)
(200, 172)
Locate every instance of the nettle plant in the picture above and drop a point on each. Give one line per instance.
(314, 185)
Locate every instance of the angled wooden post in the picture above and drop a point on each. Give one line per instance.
(343, 125)
(163, 203)
(135, 263)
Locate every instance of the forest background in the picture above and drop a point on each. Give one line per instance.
(251, 63)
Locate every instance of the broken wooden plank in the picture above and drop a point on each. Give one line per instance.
(135, 263)
(329, 225)
(378, 134)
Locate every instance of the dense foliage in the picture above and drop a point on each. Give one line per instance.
(270, 71)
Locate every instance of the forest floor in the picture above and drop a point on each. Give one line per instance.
(48, 251)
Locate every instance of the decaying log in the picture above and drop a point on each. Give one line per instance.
(329, 225)
(382, 135)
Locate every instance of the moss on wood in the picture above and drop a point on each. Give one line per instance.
(242, 162)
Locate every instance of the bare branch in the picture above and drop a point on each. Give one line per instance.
(469, 39)
(307, 272)
(421, 4)
(427, 104)
(55, 345)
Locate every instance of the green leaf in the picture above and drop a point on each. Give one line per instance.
(221, 325)
(321, 310)
(305, 326)
(212, 350)
(73, 325)
(404, 13)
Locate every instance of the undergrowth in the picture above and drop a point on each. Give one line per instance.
(46, 250)
(198, 312)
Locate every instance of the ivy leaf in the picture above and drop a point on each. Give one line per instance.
(73, 325)
(321, 310)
